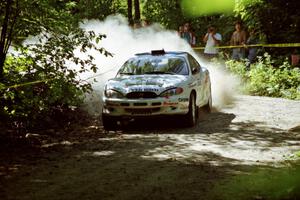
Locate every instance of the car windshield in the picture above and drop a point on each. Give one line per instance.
(155, 65)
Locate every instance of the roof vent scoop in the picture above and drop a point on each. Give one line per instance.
(158, 52)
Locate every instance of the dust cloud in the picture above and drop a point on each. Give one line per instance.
(123, 42)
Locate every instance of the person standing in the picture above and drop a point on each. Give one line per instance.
(238, 38)
(193, 40)
(187, 35)
(252, 51)
(180, 31)
(212, 40)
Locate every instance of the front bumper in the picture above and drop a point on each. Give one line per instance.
(145, 107)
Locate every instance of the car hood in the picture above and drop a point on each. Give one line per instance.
(145, 83)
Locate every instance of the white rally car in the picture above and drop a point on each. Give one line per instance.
(157, 83)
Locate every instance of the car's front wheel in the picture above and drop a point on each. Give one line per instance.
(109, 123)
(190, 119)
(208, 107)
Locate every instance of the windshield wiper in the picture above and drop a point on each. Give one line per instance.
(159, 72)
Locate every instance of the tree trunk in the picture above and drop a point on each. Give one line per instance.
(129, 12)
(5, 36)
(137, 12)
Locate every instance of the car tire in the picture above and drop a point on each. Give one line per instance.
(109, 123)
(191, 118)
(208, 107)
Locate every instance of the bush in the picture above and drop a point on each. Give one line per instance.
(39, 83)
(266, 80)
(32, 95)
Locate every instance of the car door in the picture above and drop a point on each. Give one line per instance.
(198, 78)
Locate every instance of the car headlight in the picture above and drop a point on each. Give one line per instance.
(113, 94)
(171, 92)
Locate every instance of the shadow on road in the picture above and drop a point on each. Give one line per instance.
(160, 159)
(210, 122)
(216, 134)
(214, 123)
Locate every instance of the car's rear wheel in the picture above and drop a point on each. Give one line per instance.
(109, 123)
(190, 119)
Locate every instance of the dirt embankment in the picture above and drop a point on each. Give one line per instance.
(159, 159)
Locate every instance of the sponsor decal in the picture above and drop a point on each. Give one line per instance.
(141, 82)
(149, 82)
(144, 90)
(169, 87)
(170, 103)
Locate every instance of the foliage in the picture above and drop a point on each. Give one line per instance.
(237, 68)
(34, 17)
(265, 183)
(266, 80)
(58, 86)
(38, 81)
(21, 18)
(278, 21)
(167, 13)
(170, 15)
(293, 156)
(99, 9)
(55, 84)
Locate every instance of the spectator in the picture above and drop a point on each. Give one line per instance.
(180, 31)
(295, 58)
(212, 39)
(238, 38)
(187, 35)
(252, 51)
(193, 40)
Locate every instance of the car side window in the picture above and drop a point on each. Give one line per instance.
(195, 66)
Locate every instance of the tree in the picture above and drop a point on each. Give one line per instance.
(129, 12)
(8, 19)
(54, 86)
(21, 18)
(167, 12)
(137, 13)
(99, 9)
(278, 20)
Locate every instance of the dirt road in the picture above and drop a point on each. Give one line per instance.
(238, 152)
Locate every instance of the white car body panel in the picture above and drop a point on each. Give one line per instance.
(153, 83)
